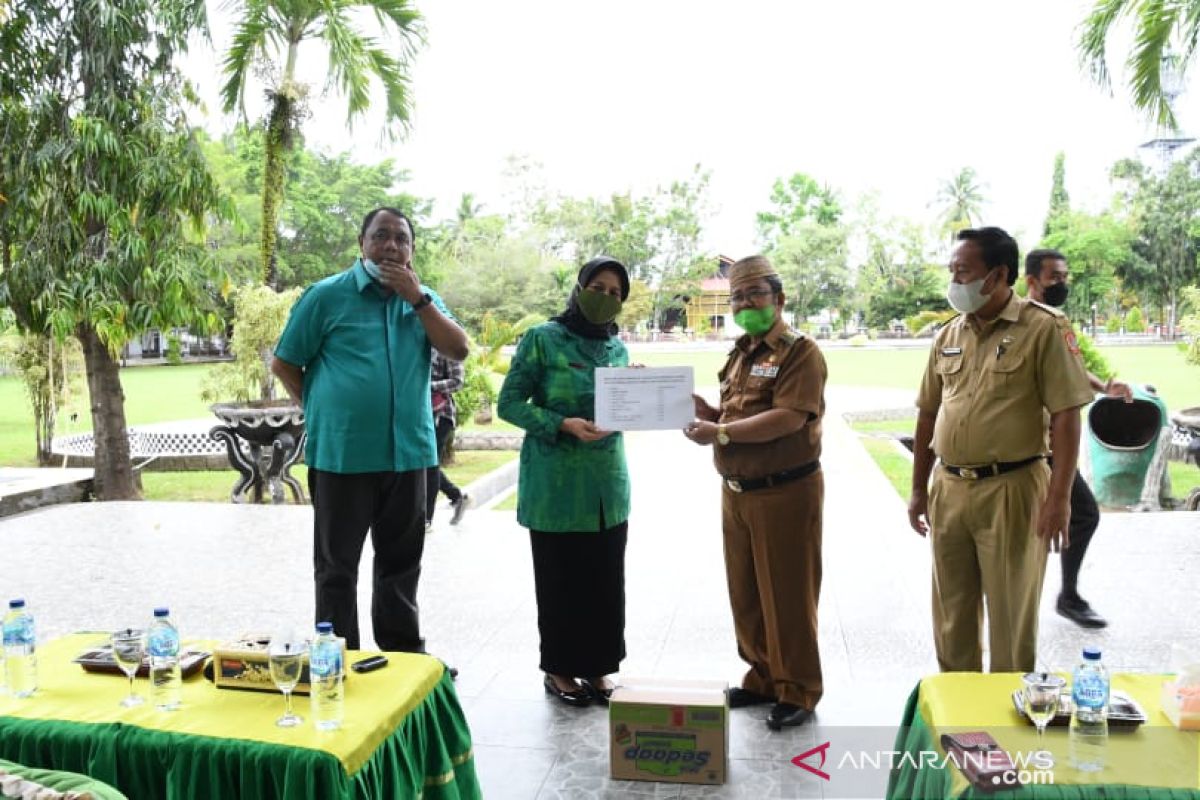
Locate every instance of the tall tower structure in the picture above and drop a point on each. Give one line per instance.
(1168, 145)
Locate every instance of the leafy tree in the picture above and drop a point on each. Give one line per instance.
(106, 192)
(896, 276)
(1191, 325)
(1097, 247)
(961, 199)
(638, 306)
(1165, 35)
(812, 261)
(798, 199)
(1134, 322)
(261, 315)
(657, 237)
(501, 276)
(1060, 201)
(321, 215)
(1165, 213)
(267, 27)
(52, 372)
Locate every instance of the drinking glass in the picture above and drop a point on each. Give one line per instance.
(128, 647)
(1042, 690)
(284, 660)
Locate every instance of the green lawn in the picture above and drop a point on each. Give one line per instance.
(1184, 477)
(214, 486)
(1177, 382)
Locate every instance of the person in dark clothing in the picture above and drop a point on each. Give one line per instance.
(445, 378)
(1046, 276)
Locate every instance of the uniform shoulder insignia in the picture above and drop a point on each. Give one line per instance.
(790, 337)
(1051, 310)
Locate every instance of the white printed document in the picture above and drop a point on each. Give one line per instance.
(644, 398)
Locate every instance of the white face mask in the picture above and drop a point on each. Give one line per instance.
(371, 267)
(967, 298)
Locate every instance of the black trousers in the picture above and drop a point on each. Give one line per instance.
(1085, 518)
(391, 506)
(435, 479)
(580, 583)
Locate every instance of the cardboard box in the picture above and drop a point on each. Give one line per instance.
(674, 731)
(242, 664)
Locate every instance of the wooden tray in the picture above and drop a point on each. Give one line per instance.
(1124, 713)
(100, 659)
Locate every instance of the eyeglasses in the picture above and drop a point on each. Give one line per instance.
(752, 296)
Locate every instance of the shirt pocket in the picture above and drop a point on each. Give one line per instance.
(950, 370)
(1005, 376)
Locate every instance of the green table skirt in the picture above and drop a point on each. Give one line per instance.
(429, 755)
(909, 783)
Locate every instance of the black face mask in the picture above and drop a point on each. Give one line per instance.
(1055, 294)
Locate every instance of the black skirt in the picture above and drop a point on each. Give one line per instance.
(580, 583)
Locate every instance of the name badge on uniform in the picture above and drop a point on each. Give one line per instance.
(764, 371)
(952, 351)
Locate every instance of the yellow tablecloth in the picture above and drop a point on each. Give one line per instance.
(1155, 755)
(376, 702)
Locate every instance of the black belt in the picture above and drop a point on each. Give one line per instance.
(787, 476)
(989, 470)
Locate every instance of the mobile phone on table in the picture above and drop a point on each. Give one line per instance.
(369, 664)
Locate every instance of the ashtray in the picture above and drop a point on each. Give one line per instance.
(1123, 711)
(100, 659)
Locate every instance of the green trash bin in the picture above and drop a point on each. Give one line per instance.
(1122, 439)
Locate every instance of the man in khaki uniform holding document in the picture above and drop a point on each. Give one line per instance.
(995, 507)
(767, 436)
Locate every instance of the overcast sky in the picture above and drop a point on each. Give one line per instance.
(874, 95)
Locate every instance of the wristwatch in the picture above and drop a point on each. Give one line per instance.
(425, 300)
(723, 434)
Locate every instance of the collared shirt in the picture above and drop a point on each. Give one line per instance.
(445, 378)
(565, 484)
(784, 370)
(991, 383)
(365, 358)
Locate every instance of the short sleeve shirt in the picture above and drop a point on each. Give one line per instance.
(784, 370)
(366, 359)
(991, 384)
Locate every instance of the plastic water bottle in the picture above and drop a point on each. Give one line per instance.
(1089, 720)
(20, 650)
(326, 679)
(162, 645)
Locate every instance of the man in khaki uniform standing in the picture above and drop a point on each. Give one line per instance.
(767, 436)
(995, 507)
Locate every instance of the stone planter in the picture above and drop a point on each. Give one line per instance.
(263, 439)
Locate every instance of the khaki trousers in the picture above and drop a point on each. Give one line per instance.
(986, 548)
(773, 566)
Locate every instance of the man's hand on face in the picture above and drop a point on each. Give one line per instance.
(401, 279)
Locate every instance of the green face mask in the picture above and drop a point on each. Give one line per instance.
(755, 321)
(598, 308)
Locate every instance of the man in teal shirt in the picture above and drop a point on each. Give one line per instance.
(356, 353)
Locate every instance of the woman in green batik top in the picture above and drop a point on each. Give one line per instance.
(573, 493)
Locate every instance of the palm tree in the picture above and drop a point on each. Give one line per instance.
(1165, 37)
(962, 200)
(268, 29)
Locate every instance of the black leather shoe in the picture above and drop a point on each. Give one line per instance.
(741, 698)
(599, 695)
(579, 697)
(786, 715)
(1078, 611)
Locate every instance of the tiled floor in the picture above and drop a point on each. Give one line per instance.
(228, 569)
